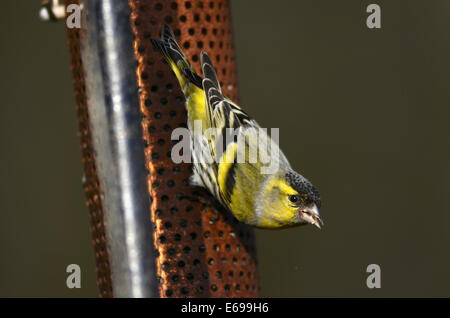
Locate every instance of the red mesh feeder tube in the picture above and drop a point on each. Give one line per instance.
(202, 252)
(197, 250)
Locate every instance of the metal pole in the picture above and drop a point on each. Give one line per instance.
(112, 94)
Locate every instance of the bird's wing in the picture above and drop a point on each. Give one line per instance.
(223, 115)
(223, 112)
(230, 123)
(173, 53)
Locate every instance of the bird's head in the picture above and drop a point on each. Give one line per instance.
(290, 199)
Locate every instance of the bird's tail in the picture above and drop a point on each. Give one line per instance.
(176, 59)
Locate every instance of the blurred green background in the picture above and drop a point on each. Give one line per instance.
(363, 113)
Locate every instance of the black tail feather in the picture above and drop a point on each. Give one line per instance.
(173, 54)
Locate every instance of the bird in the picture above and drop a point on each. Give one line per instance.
(271, 199)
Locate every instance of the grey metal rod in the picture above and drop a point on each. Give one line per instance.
(113, 104)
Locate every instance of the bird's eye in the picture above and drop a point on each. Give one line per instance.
(294, 198)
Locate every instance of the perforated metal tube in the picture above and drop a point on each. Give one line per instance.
(202, 252)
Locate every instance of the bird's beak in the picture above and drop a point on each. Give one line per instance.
(311, 215)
